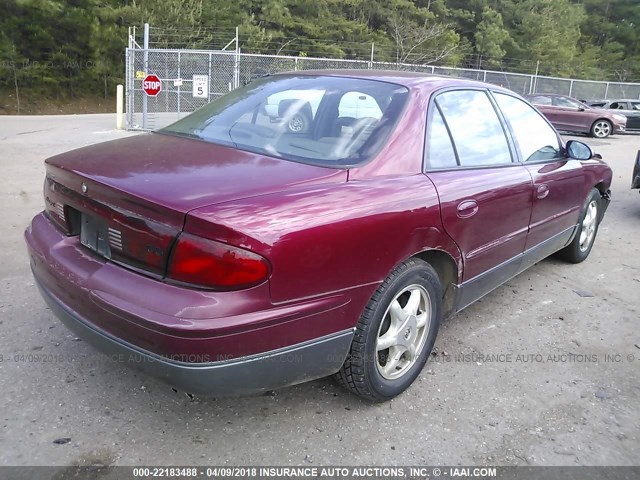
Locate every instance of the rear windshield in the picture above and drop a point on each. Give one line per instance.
(328, 121)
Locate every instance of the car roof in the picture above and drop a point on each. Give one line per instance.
(420, 80)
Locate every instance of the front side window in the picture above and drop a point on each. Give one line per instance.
(535, 137)
(635, 105)
(328, 121)
(475, 128)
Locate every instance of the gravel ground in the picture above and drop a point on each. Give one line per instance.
(562, 389)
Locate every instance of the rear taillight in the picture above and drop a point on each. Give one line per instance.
(206, 263)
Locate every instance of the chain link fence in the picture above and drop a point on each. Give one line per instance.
(226, 70)
(176, 69)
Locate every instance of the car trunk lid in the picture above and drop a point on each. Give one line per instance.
(127, 199)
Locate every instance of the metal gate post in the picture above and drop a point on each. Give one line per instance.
(130, 90)
(127, 86)
(146, 71)
(179, 83)
(571, 88)
(166, 92)
(236, 67)
(210, 80)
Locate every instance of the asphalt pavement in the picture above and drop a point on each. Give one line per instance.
(543, 371)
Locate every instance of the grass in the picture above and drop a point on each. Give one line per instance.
(31, 104)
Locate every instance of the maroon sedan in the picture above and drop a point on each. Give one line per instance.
(571, 115)
(229, 254)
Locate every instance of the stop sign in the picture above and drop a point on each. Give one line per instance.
(151, 85)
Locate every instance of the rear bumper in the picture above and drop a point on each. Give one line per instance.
(276, 369)
(204, 342)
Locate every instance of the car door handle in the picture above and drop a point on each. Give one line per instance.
(467, 209)
(542, 191)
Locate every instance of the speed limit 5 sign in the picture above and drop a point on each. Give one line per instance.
(201, 86)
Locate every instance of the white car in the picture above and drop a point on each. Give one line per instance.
(297, 108)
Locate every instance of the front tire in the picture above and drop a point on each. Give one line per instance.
(395, 334)
(601, 128)
(580, 247)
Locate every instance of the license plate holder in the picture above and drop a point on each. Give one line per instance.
(94, 235)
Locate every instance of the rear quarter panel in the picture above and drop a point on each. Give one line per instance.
(332, 238)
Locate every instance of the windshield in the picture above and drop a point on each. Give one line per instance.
(329, 121)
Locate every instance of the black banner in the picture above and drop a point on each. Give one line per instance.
(319, 472)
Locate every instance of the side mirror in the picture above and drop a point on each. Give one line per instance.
(578, 150)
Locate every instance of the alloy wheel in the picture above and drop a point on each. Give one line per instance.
(589, 224)
(403, 332)
(602, 129)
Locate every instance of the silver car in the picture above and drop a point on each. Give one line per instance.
(630, 108)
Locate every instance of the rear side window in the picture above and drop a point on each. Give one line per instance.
(439, 151)
(536, 139)
(475, 128)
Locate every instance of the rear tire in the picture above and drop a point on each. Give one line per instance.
(580, 247)
(601, 129)
(395, 334)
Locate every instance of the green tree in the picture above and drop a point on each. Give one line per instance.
(490, 37)
(66, 48)
(611, 26)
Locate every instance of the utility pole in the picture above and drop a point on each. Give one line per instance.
(372, 51)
